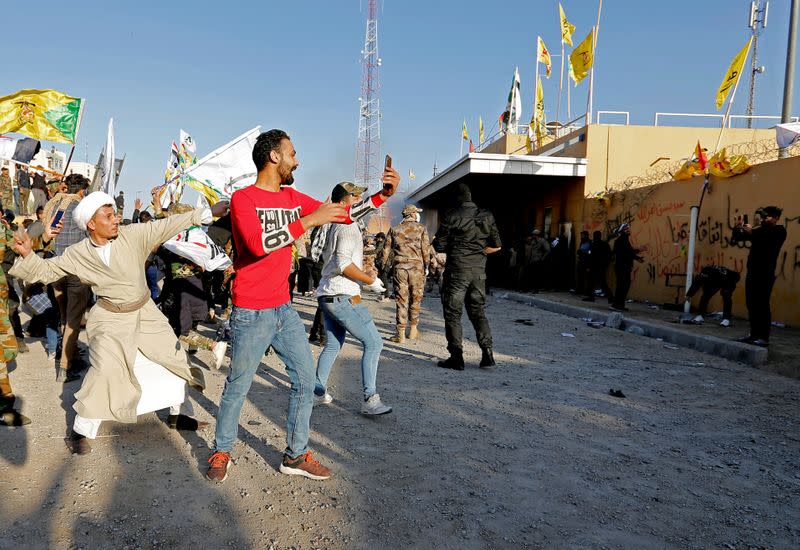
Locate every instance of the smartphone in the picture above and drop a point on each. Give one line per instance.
(387, 164)
(59, 215)
(744, 219)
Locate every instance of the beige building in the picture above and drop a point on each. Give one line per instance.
(598, 176)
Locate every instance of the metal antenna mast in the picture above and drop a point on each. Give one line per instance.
(368, 150)
(757, 22)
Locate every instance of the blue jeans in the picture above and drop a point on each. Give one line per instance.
(151, 273)
(341, 317)
(252, 332)
(17, 201)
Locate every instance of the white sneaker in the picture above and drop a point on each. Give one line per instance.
(326, 399)
(374, 406)
(698, 320)
(725, 323)
(219, 350)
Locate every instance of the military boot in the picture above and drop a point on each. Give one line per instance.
(400, 335)
(487, 359)
(454, 362)
(413, 332)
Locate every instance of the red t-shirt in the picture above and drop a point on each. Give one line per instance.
(265, 224)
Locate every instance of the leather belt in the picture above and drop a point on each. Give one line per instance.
(355, 300)
(108, 305)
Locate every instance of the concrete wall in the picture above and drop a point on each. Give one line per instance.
(509, 144)
(660, 219)
(615, 153)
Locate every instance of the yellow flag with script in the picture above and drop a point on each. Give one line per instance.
(480, 130)
(543, 56)
(48, 115)
(464, 133)
(733, 74)
(582, 57)
(567, 28)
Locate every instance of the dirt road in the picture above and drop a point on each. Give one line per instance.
(700, 453)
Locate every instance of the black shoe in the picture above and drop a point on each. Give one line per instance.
(487, 360)
(745, 339)
(185, 423)
(760, 342)
(78, 444)
(10, 417)
(67, 376)
(454, 362)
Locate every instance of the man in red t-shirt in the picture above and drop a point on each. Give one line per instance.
(267, 218)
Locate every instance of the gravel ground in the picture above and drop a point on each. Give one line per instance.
(701, 453)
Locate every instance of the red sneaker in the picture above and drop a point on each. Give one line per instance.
(220, 464)
(304, 465)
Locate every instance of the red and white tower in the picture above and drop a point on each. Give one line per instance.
(369, 164)
(368, 150)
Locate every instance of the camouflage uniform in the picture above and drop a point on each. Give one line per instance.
(412, 251)
(6, 192)
(8, 342)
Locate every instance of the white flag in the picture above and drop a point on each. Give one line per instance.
(513, 113)
(787, 134)
(107, 177)
(226, 169)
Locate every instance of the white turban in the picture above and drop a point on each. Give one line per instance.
(90, 204)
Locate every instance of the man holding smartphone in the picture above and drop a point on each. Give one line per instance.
(267, 217)
(72, 296)
(766, 241)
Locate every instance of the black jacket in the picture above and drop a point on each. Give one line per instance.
(767, 241)
(625, 253)
(464, 233)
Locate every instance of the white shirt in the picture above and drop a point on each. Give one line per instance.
(343, 247)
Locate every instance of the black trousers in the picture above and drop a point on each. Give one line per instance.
(465, 287)
(758, 289)
(710, 288)
(623, 285)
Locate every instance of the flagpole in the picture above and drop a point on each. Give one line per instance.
(461, 151)
(561, 81)
(569, 101)
(725, 118)
(591, 71)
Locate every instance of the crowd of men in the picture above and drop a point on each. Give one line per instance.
(145, 300)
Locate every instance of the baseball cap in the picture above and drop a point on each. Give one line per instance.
(410, 209)
(342, 189)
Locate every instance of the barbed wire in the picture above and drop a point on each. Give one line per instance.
(757, 152)
(629, 194)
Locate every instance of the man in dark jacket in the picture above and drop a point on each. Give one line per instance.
(599, 262)
(625, 254)
(766, 241)
(468, 234)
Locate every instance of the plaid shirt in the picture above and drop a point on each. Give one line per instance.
(71, 233)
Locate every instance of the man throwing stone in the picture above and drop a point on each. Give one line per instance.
(124, 320)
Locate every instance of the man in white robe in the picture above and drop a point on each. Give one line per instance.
(125, 323)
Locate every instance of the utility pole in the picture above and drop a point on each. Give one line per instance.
(757, 23)
(788, 82)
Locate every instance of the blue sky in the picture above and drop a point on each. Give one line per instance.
(218, 69)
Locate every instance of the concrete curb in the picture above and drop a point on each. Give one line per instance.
(736, 351)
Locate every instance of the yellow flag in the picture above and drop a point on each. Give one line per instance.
(41, 114)
(723, 166)
(567, 28)
(570, 72)
(582, 57)
(464, 134)
(543, 56)
(733, 74)
(538, 115)
(537, 131)
(480, 130)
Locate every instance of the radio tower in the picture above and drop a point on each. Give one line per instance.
(368, 150)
